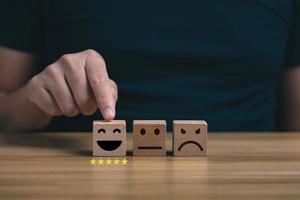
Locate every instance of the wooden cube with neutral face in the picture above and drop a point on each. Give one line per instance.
(189, 138)
(149, 138)
(109, 138)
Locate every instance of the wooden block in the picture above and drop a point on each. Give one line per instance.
(149, 138)
(109, 138)
(189, 138)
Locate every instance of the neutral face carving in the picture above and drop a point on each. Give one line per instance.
(149, 138)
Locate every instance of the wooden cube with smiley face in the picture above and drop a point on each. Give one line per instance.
(189, 138)
(109, 138)
(149, 138)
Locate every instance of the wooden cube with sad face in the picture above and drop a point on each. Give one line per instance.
(190, 138)
(149, 138)
(109, 138)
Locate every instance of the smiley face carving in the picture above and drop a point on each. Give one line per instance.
(109, 138)
(190, 138)
(109, 145)
(149, 138)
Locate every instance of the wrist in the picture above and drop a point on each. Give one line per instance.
(23, 114)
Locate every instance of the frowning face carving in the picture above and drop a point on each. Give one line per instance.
(109, 138)
(190, 138)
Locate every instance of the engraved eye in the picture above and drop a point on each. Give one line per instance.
(101, 130)
(198, 131)
(116, 130)
(142, 131)
(182, 131)
(156, 131)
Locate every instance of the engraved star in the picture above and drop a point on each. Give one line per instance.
(93, 162)
(100, 162)
(124, 161)
(116, 161)
(108, 162)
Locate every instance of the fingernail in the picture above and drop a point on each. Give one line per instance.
(109, 113)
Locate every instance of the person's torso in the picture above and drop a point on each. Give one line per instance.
(214, 60)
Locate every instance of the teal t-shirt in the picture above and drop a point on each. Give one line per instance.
(214, 60)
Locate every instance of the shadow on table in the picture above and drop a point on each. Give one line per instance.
(70, 142)
(64, 142)
(128, 153)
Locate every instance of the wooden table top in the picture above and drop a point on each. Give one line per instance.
(238, 166)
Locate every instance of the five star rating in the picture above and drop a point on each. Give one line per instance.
(108, 162)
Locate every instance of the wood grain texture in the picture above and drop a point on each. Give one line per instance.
(238, 166)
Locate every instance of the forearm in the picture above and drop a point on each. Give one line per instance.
(289, 115)
(18, 113)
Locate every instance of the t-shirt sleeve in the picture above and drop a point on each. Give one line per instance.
(20, 22)
(292, 56)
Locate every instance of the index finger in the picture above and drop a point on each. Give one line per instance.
(101, 86)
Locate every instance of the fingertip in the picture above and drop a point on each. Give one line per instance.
(108, 114)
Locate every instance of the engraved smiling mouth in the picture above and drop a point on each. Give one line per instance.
(190, 142)
(109, 145)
